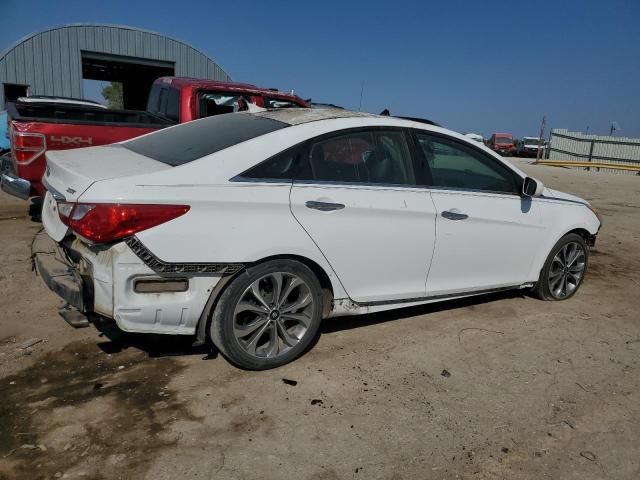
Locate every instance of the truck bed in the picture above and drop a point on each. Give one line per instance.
(36, 128)
(84, 115)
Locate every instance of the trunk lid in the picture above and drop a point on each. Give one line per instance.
(70, 173)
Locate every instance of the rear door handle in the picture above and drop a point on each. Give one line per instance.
(324, 206)
(451, 215)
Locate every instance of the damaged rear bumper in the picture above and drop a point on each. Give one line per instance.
(57, 271)
(106, 280)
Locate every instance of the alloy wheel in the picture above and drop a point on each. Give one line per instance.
(273, 314)
(566, 270)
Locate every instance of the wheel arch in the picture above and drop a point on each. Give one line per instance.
(583, 232)
(328, 290)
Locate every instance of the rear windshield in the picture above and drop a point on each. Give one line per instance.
(190, 141)
(217, 103)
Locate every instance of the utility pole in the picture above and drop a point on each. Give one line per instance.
(361, 92)
(614, 128)
(540, 138)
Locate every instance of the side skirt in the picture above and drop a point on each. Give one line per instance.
(346, 306)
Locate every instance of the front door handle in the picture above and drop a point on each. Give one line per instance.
(451, 215)
(324, 206)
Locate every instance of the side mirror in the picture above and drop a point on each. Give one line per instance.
(532, 187)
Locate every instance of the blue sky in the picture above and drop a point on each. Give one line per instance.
(472, 66)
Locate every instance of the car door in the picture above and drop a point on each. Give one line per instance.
(487, 233)
(356, 196)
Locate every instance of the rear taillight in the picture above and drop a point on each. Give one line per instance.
(27, 146)
(107, 222)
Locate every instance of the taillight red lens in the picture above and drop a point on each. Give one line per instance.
(27, 146)
(107, 222)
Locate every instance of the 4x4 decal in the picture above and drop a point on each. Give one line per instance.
(71, 141)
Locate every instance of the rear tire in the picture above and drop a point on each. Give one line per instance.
(564, 269)
(268, 316)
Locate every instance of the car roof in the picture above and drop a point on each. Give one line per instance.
(298, 116)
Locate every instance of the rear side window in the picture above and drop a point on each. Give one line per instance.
(172, 111)
(281, 167)
(376, 157)
(187, 142)
(153, 104)
(164, 101)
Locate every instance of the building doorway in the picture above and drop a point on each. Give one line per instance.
(13, 91)
(136, 75)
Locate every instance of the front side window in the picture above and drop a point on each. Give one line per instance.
(455, 165)
(378, 157)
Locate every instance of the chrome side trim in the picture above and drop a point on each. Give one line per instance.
(543, 197)
(160, 266)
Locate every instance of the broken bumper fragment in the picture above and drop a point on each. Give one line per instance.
(57, 272)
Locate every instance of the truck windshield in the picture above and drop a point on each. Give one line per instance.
(531, 141)
(504, 140)
(190, 141)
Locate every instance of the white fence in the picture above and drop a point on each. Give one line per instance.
(578, 147)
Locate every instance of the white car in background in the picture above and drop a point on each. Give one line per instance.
(528, 147)
(252, 227)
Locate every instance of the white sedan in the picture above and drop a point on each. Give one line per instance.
(250, 228)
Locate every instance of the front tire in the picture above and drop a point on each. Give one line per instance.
(564, 269)
(268, 316)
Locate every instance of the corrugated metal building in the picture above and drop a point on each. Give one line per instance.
(56, 60)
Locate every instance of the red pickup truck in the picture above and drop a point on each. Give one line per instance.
(502, 143)
(37, 127)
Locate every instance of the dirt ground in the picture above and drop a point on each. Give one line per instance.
(533, 390)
